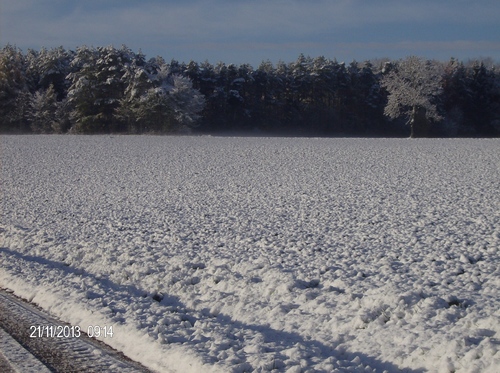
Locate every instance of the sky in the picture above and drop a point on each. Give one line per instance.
(253, 31)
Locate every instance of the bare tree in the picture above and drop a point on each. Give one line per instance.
(413, 85)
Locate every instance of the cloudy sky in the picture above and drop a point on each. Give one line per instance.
(250, 31)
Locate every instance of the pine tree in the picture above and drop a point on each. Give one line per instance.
(14, 94)
(157, 101)
(367, 102)
(31, 70)
(97, 88)
(54, 66)
(137, 77)
(455, 95)
(43, 111)
(185, 101)
(482, 108)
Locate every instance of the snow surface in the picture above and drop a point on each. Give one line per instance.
(227, 254)
(17, 358)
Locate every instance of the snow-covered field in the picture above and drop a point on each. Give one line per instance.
(215, 254)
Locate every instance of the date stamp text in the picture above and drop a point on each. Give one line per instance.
(69, 331)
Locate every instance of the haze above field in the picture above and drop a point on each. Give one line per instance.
(252, 31)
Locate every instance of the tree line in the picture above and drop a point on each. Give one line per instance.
(116, 90)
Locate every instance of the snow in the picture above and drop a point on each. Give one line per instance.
(17, 357)
(238, 81)
(251, 254)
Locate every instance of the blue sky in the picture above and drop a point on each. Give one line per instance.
(251, 31)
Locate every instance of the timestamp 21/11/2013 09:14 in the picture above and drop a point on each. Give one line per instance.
(66, 331)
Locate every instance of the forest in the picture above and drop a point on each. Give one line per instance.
(100, 90)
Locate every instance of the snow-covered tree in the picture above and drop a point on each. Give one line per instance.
(138, 80)
(97, 87)
(14, 95)
(185, 101)
(53, 67)
(43, 111)
(19, 117)
(156, 100)
(413, 85)
(31, 70)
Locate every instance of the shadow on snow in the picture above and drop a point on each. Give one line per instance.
(281, 340)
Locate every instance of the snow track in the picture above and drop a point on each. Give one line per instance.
(80, 354)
